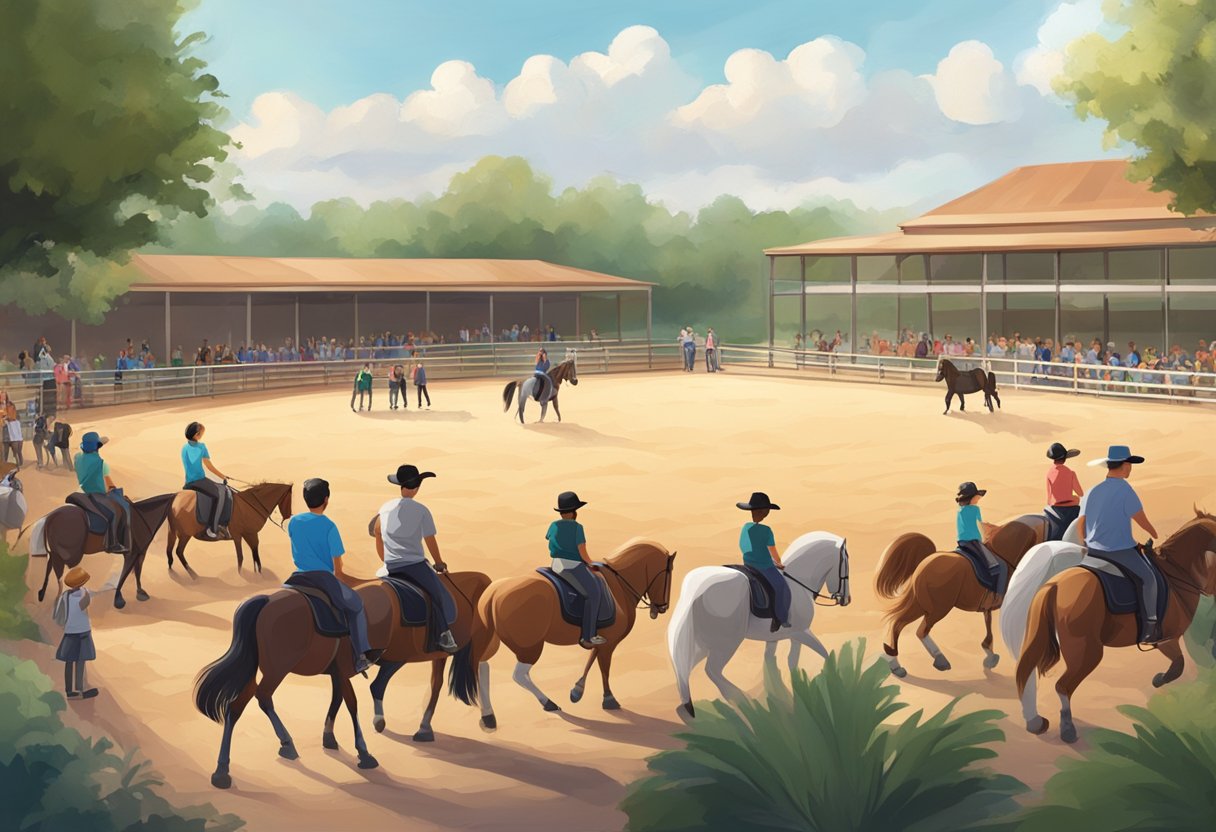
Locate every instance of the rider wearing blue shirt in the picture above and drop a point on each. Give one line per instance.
(1107, 512)
(759, 548)
(196, 458)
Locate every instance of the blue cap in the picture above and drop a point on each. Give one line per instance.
(91, 441)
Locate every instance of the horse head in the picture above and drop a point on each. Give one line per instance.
(569, 368)
(821, 559)
(284, 504)
(1193, 550)
(646, 569)
(941, 369)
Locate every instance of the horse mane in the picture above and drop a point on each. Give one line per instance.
(631, 546)
(1201, 520)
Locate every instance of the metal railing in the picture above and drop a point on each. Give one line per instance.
(1080, 379)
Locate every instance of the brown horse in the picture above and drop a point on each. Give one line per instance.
(523, 612)
(403, 645)
(959, 383)
(68, 540)
(251, 508)
(1068, 619)
(565, 371)
(938, 582)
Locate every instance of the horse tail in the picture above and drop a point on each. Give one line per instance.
(220, 683)
(899, 561)
(990, 383)
(462, 677)
(1042, 648)
(508, 393)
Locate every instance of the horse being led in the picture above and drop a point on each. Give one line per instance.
(565, 371)
(250, 510)
(959, 383)
(713, 616)
(928, 584)
(1069, 618)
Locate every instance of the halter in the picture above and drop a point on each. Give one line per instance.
(842, 580)
(642, 598)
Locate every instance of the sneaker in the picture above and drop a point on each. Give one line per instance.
(211, 535)
(88, 694)
(73, 694)
(1152, 633)
(594, 641)
(447, 643)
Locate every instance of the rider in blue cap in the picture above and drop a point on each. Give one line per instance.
(93, 476)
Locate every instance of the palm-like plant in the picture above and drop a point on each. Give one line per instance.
(820, 755)
(1200, 637)
(1161, 776)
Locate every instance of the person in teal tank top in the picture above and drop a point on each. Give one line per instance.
(970, 539)
(571, 563)
(196, 461)
(759, 547)
(93, 477)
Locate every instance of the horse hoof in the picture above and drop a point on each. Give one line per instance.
(1068, 732)
(991, 661)
(328, 740)
(489, 723)
(576, 693)
(1161, 679)
(940, 662)
(899, 672)
(424, 736)
(288, 751)
(686, 712)
(550, 705)
(378, 724)
(41, 594)
(367, 761)
(1038, 725)
(193, 575)
(221, 780)
(610, 703)
(119, 602)
(142, 596)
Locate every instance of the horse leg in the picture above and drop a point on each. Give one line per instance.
(46, 579)
(265, 693)
(544, 409)
(770, 652)
(556, 409)
(366, 760)
(907, 613)
(949, 398)
(715, 663)
(1173, 652)
(576, 692)
(140, 595)
(255, 547)
(424, 732)
(181, 555)
(128, 562)
(990, 657)
(328, 740)
(962, 403)
(221, 779)
(1081, 656)
(522, 401)
(808, 639)
(489, 722)
(940, 662)
(240, 553)
(170, 539)
(604, 656)
(523, 676)
(378, 687)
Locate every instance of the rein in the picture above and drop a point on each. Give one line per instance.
(842, 581)
(642, 598)
(249, 495)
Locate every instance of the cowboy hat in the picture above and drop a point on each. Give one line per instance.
(76, 577)
(91, 441)
(759, 500)
(1058, 452)
(1118, 453)
(408, 476)
(968, 490)
(568, 501)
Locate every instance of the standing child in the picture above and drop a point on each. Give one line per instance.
(759, 548)
(363, 385)
(76, 648)
(40, 437)
(420, 383)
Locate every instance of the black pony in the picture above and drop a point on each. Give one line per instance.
(960, 383)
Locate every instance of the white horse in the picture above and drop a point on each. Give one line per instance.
(13, 506)
(567, 370)
(1040, 565)
(713, 616)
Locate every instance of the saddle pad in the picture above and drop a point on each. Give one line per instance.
(987, 579)
(572, 603)
(1120, 590)
(760, 593)
(415, 606)
(97, 523)
(38, 538)
(202, 507)
(327, 617)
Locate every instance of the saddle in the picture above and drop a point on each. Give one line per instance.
(327, 616)
(97, 522)
(543, 383)
(203, 504)
(988, 579)
(416, 608)
(572, 603)
(760, 591)
(1119, 588)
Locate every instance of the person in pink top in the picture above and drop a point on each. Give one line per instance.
(63, 382)
(1064, 492)
(711, 351)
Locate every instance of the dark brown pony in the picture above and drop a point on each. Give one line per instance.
(524, 614)
(251, 508)
(959, 383)
(276, 635)
(68, 540)
(1068, 619)
(565, 371)
(928, 584)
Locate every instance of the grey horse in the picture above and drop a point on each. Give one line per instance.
(565, 371)
(12, 505)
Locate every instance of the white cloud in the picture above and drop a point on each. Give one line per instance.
(778, 132)
(972, 86)
(1040, 64)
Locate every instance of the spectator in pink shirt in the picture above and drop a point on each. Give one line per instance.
(63, 382)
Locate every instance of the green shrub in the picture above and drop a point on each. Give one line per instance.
(15, 622)
(1161, 776)
(52, 778)
(820, 756)
(1200, 637)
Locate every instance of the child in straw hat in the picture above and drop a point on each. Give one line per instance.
(76, 648)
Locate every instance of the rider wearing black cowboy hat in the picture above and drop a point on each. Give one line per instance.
(568, 552)
(1064, 492)
(969, 537)
(759, 548)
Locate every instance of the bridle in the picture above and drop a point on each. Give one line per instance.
(643, 599)
(252, 497)
(842, 580)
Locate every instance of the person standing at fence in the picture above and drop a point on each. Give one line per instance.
(40, 436)
(14, 440)
(63, 383)
(711, 350)
(363, 385)
(396, 377)
(420, 383)
(203, 356)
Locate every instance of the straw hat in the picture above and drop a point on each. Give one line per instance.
(76, 577)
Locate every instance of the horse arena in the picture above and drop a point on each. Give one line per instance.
(661, 455)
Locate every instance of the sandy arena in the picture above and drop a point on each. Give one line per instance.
(661, 455)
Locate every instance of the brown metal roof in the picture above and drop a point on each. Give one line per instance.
(1083, 205)
(207, 273)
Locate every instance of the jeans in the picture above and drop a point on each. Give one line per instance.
(218, 492)
(1059, 518)
(352, 605)
(115, 512)
(394, 391)
(587, 584)
(422, 392)
(1142, 576)
(424, 575)
(711, 360)
(690, 356)
(360, 394)
(781, 593)
(996, 566)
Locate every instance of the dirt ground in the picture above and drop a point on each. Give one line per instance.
(662, 455)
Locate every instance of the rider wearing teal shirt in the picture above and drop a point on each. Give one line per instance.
(93, 476)
(971, 540)
(196, 461)
(968, 522)
(570, 562)
(759, 548)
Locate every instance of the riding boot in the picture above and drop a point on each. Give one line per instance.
(1152, 632)
(447, 642)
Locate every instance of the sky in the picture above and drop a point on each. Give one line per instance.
(781, 102)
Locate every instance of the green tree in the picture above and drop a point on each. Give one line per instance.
(108, 129)
(1155, 86)
(823, 756)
